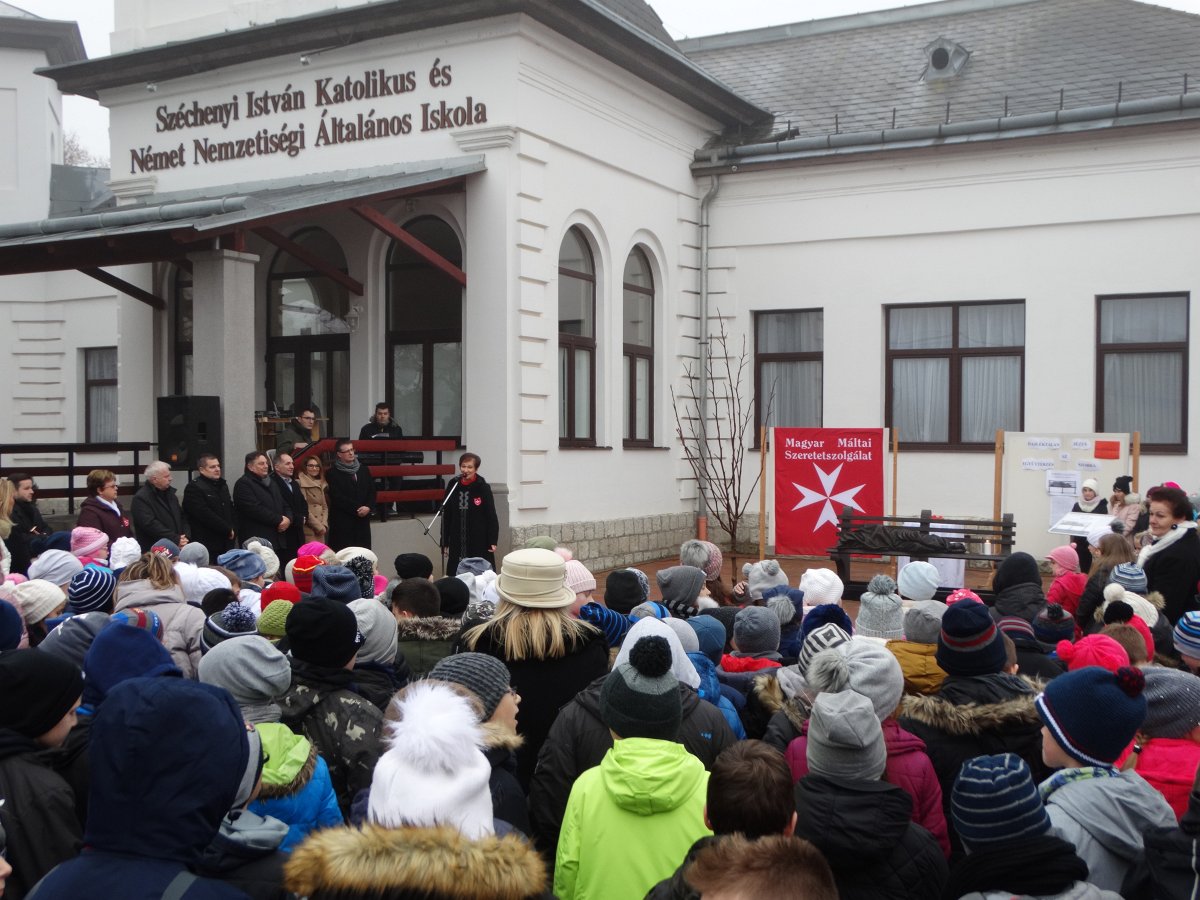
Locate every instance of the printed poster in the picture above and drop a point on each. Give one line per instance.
(818, 472)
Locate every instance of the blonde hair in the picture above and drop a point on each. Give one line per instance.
(155, 568)
(8, 496)
(525, 633)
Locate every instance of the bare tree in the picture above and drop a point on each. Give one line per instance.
(76, 154)
(716, 449)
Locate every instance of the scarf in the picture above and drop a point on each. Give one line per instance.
(1063, 777)
(1038, 866)
(264, 480)
(1175, 534)
(351, 468)
(467, 482)
(1086, 505)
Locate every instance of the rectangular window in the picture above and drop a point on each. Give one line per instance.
(1142, 370)
(100, 394)
(789, 368)
(955, 372)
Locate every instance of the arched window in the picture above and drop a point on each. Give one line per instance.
(424, 323)
(576, 342)
(638, 331)
(308, 336)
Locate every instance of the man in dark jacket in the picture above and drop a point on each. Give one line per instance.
(860, 823)
(297, 434)
(384, 428)
(185, 744)
(38, 696)
(351, 499)
(322, 704)
(155, 512)
(295, 507)
(27, 520)
(260, 508)
(208, 508)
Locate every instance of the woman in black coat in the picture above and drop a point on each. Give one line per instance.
(470, 527)
(351, 500)
(1172, 561)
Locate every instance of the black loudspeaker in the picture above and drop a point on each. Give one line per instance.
(187, 428)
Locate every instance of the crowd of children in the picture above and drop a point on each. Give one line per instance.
(175, 726)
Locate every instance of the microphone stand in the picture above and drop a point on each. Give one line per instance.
(441, 509)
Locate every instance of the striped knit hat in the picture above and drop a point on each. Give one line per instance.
(136, 617)
(234, 620)
(91, 590)
(612, 623)
(1187, 635)
(823, 637)
(302, 571)
(1094, 713)
(995, 800)
(969, 642)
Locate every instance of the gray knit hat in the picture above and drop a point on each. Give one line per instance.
(1172, 701)
(762, 575)
(862, 666)
(756, 630)
(483, 675)
(640, 698)
(881, 614)
(845, 739)
(195, 553)
(72, 638)
(923, 622)
(377, 625)
(55, 566)
(250, 668)
(680, 586)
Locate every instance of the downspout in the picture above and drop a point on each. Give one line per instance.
(702, 510)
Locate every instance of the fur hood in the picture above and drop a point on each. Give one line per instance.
(303, 777)
(414, 862)
(970, 719)
(497, 737)
(434, 628)
(770, 694)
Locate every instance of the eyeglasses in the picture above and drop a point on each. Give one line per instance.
(307, 418)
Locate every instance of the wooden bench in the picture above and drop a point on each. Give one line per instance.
(986, 540)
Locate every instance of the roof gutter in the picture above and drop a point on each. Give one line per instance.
(705, 203)
(1153, 110)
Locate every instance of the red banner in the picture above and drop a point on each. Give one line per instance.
(818, 472)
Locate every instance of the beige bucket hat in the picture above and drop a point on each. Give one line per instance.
(534, 578)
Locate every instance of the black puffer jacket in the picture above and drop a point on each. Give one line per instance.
(579, 739)
(865, 832)
(676, 887)
(1022, 600)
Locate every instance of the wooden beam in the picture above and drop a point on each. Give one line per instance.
(119, 284)
(306, 256)
(427, 253)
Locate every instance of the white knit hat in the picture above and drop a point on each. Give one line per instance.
(821, 586)
(124, 550)
(38, 598)
(348, 553)
(267, 555)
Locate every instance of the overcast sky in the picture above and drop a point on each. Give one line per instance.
(683, 18)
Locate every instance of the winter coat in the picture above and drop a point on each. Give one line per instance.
(785, 716)
(316, 497)
(1066, 590)
(378, 682)
(918, 662)
(508, 799)
(676, 887)
(1022, 600)
(1045, 864)
(546, 686)
(710, 690)
(579, 740)
(1090, 599)
(1127, 513)
(629, 820)
(898, 860)
(345, 728)
(1169, 766)
(1105, 819)
(307, 803)
(156, 515)
(208, 509)
(469, 524)
(290, 435)
(908, 767)
(134, 848)
(425, 641)
(374, 431)
(1174, 572)
(295, 507)
(374, 862)
(182, 622)
(38, 812)
(94, 513)
(27, 524)
(348, 492)
(260, 509)
(1033, 658)
(245, 855)
(972, 717)
(1171, 864)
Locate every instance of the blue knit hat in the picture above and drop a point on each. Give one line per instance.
(825, 614)
(1094, 713)
(90, 590)
(994, 800)
(337, 583)
(710, 634)
(1130, 576)
(12, 626)
(1187, 634)
(969, 642)
(244, 564)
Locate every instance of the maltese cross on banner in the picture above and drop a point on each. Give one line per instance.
(828, 483)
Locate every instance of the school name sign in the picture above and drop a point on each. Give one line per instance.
(288, 119)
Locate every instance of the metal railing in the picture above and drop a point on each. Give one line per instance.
(74, 473)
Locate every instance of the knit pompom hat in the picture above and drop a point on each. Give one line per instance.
(1066, 557)
(1142, 608)
(38, 598)
(881, 613)
(782, 606)
(821, 586)
(923, 622)
(365, 573)
(1172, 702)
(823, 637)
(87, 541)
(969, 642)
(579, 579)
(995, 801)
(919, 581)
(863, 666)
(1054, 624)
(1093, 650)
(91, 590)
(640, 698)
(680, 586)
(756, 630)
(1093, 713)
(234, 620)
(762, 575)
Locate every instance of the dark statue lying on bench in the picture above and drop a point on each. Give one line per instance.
(885, 539)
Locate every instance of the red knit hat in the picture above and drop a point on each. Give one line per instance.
(279, 590)
(302, 571)
(1093, 650)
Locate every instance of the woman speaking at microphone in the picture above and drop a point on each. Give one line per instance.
(469, 523)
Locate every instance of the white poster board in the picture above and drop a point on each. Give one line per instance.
(1042, 472)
